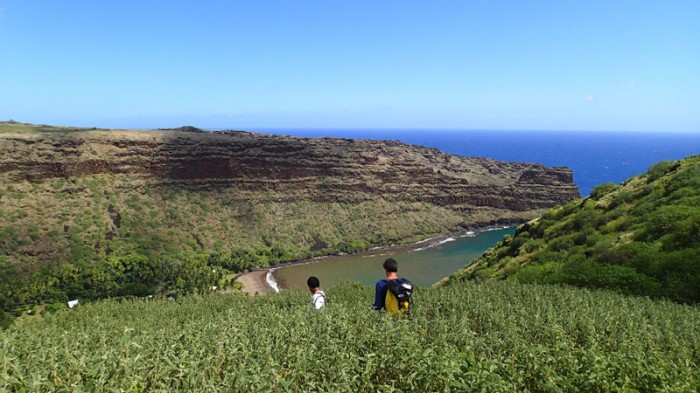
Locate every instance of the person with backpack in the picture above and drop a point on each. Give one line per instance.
(393, 294)
(318, 297)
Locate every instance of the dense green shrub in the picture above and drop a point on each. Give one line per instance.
(619, 278)
(660, 169)
(54, 307)
(493, 337)
(5, 319)
(603, 189)
(126, 275)
(663, 221)
(679, 273)
(640, 238)
(351, 246)
(621, 197)
(546, 273)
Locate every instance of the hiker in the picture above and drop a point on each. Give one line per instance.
(393, 294)
(318, 298)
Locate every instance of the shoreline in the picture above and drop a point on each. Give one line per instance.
(255, 281)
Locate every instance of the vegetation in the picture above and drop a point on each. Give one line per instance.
(81, 219)
(641, 237)
(90, 236)
(495, 337)
(12, 126)
(118, 236)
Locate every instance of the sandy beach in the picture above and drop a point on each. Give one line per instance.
(254, 282)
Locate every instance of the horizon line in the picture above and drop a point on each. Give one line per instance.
(342, 128)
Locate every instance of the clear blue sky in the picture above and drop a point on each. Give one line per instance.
(543, 65)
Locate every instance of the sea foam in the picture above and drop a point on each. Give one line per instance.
(271, 280)
(449, 239)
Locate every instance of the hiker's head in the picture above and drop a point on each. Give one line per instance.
(390, 265)
(313, 283)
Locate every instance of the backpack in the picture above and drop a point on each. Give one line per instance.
(398, 296)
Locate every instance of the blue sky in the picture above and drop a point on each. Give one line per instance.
(545, 65)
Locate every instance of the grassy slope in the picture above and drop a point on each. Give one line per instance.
(94, 216)
(495, 337)
(60, 236)
(640, 237)
(13, 127)
(80, 216)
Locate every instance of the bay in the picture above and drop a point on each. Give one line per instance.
(594, 157)
(423, 264)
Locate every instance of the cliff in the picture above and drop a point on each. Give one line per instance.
(280, 169)
(96, 213)
(163, 191)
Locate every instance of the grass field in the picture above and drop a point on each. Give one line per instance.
(14, 127)
(492, 337)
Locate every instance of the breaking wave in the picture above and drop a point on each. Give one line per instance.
(271, 280)
(449, 239)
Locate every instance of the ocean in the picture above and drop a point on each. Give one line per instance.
(595, 157)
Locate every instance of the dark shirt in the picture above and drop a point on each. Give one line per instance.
(380, 294)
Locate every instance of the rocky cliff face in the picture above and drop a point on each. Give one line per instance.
(78, 197)
(262, 168)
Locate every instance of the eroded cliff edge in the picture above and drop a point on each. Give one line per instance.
(223, 190)
(279, 168)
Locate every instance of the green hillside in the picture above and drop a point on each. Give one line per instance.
(641, 237)
(114, 234)
(490, 337)
(110, 235)
(88, 214)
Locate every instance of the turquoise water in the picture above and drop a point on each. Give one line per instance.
(424, 266)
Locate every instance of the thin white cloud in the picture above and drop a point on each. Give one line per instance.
(588, 98)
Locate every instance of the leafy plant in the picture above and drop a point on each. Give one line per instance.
(494, 337)
(641, 237)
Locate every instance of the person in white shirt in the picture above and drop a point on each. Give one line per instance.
(318, 298)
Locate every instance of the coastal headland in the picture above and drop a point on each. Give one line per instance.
(163, 204)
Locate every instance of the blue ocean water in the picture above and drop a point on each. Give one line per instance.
(595, 157)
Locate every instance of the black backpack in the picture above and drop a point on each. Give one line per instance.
(402, 289)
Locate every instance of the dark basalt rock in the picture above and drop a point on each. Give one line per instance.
(280, 168)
